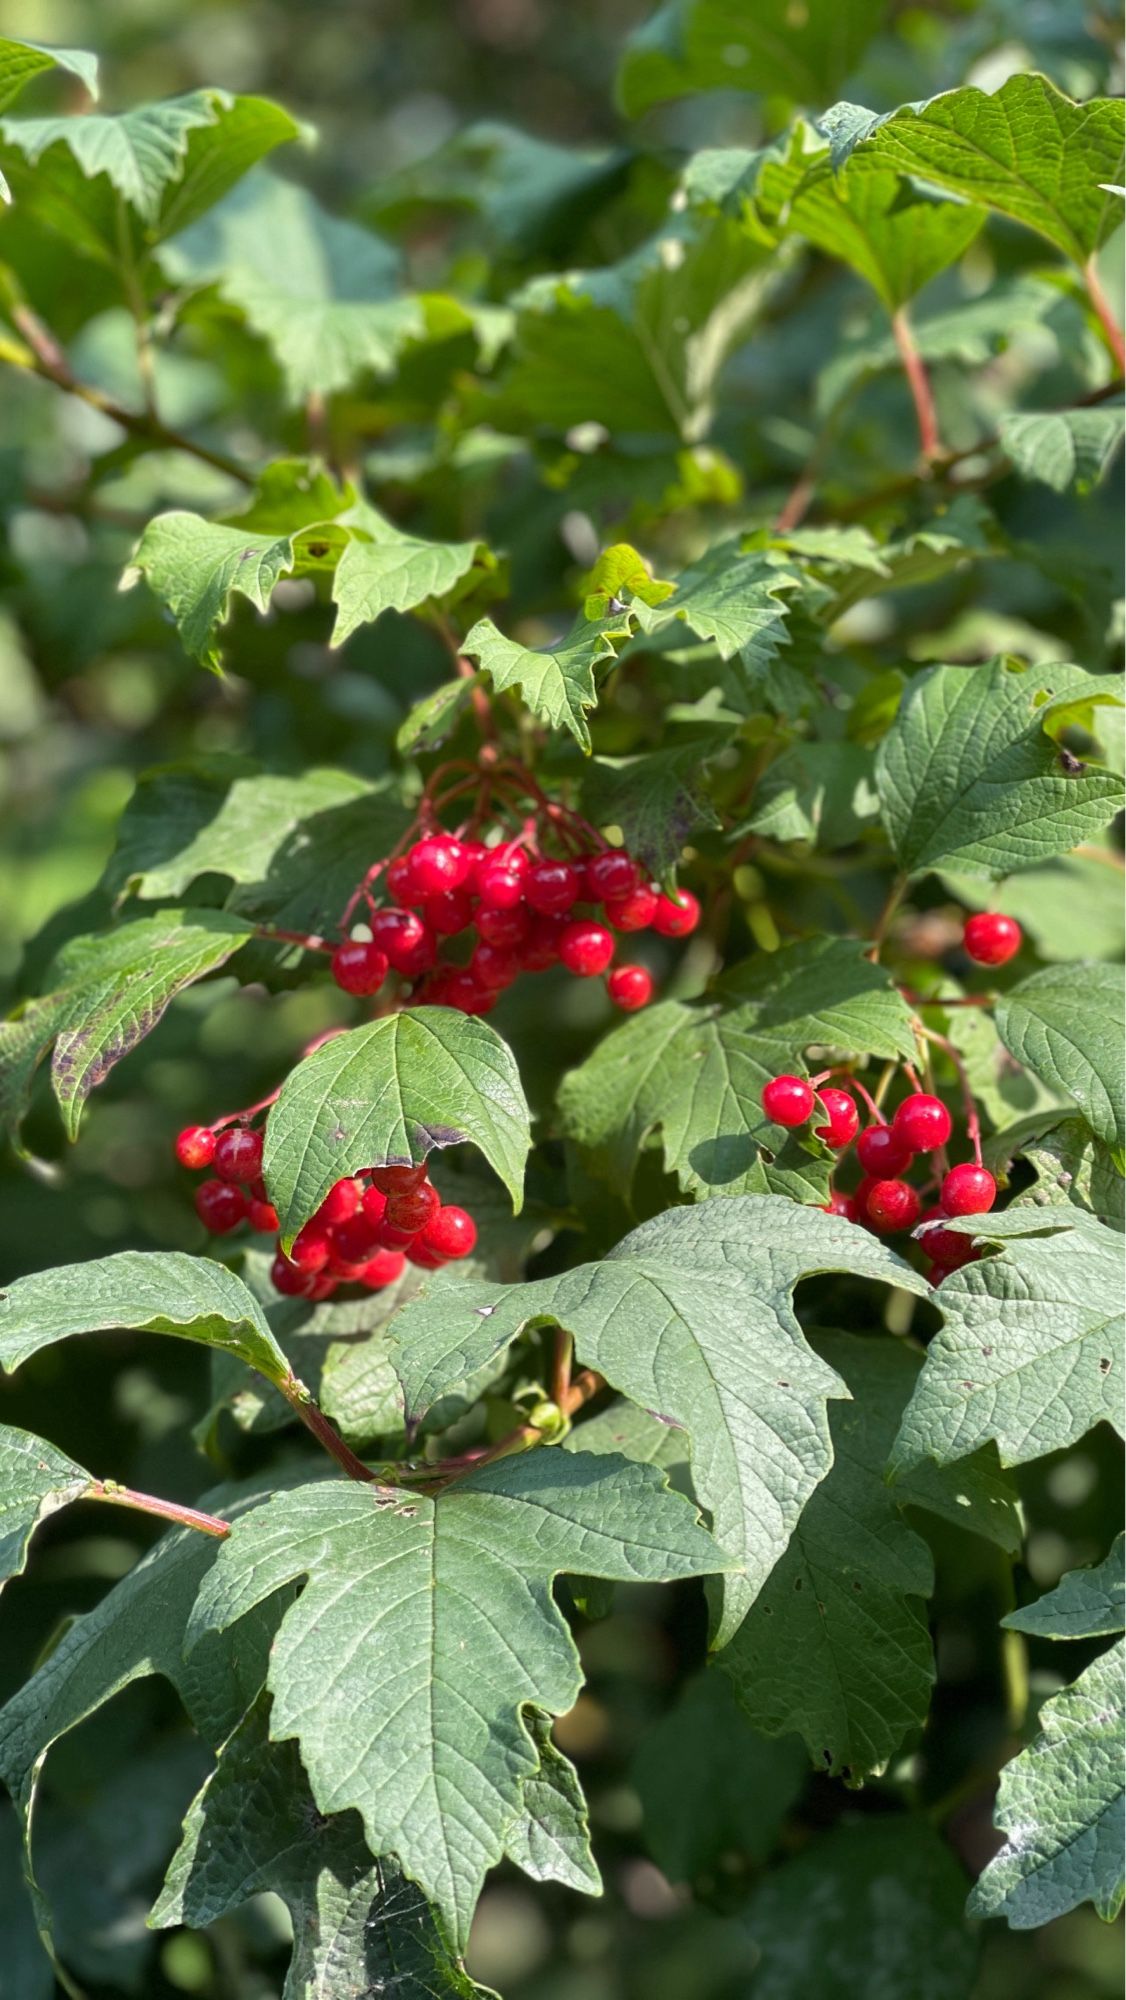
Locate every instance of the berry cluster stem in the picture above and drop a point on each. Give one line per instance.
(150, 1503)
(973, 1122)
(313, 1417)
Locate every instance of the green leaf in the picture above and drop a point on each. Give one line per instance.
(146, 1292)
(1029, 1355)
(618, 570)
(1064, 448)
(823, 793)
(386, 1095)
(709, 1784)
(433, 719)
(1066, 1024)
(691, 45)
(196, 566)
(971, 776)
(35, 1481)
(323, 293)
(435, 1757)
(657, 800)
(695, 1073)
(382, 569)
(1027, 151)
(550, 1838)
(106, 994)
(1085, 1604)
(557, 683)
(356, 1922)
(1061, 1805)
(735, 599)
(27, 1966)
(21, 61)
(874, 1907)
(1072, 1167)
(691, 1316)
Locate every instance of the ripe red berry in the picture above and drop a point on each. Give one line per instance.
(501, 878)
(787, 1100)
(404, 939)
(322, 1287)
(586, 947)
(438, 863)
(630, 987)
(448, 1234)
(391, 1237)
(506, 928)
(262, 1216)
(542, 948)
(220, 1206)
(341, 1201)
(422, 1258)
(881, 1152)
(311, 1248)
(947, 1248)
(495, 965)
(449, 913)
(397, 1179)
(892, 1205)
(968, 1190)
(238, 1155)
(413, 1207)
(195, 1146)
(922, 1122)
(374, 1204)
(843, 1117)
(463, 991)
(354, 1241)
(400, 881)
(676, 916)
(634, 912)
(552, 887)
(289, 1281)
(359, 968)
(612, 875)
(382, 1269)
(991, 939)
(844, 1205)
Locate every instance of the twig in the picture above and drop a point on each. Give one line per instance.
(918, 382)
(313, 1417)
(561, 1359)
(150, 1503)
(1105, 314)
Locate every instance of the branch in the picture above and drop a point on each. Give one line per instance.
(149, 1503)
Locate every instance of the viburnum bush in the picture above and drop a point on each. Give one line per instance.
(651, 826)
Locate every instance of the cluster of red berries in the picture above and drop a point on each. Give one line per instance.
(366, 1229)
(526, 913)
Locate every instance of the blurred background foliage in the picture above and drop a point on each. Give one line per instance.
(95, 688)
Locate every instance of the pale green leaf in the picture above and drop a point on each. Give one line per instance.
(550, 1838)
(382, 569)
(386, 1094)
(737, 600)
(1061, 1807)
(1072, 1167)
(20, 61)
(433, 719)
(690, 1316)
(971, 776)
(710, 1785)
(1066, 1024)
(458, 1588)
(802, 53)
(1085, 1604)
(1063, 448)
(35, 1481)
(196, 566)
(557, 683)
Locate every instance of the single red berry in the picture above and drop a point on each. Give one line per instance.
(289, 1281)
(991, 939)
(634, 912)
(449, 1233)
(359, 968)
(477, 852)
(262, 1216)
(397, 1179)
(220, 1206)
(354, 1241)
(842, 1204)
(860, 1197)
(501, 878)
(238, 1155)
(843, 1117)
(449, 913)
(404, 939)
(922, 1122)
(463, 991)
(968, 1190)
(374, 1204)
(495, 965)
(552, 887)
(341, 1201)
(506, 928)
(787, 1100)
(424, 1259)
(892, 1205)
(946, 1247)
(881, 1152)
(586, 947)
(542, 948)
(382, 1269)
(413, 1209)
(676, 916)
(612, 875)
(401, 884)
(439, 863)
(195, 1146)
(322, 1287)
(392, 1238)
(311, 1248)
(630, 987)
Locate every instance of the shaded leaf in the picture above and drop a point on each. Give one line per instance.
(692, 45)
(35, 1481)
(1085, 1604)
(1076, 1049)
(710, 1785)
(657, 799)
(550, 1838)
(1063, 448)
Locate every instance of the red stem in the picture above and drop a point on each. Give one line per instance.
(1105, 314)
(973, 1122)
(313, 1417)
(919, 384)
(150, 1503)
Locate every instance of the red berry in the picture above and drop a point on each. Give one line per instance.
(405, 940)
(341, 1201)
(922, 1122)
(449, 913)
(501, 878)
(552, 887)
(262, 1216)
(881, 1152)
(968, 1190)
(289, 1281)
(382, 1269)
(397, 1179)
(495, 965)
(195, 1146)
(991, 939)
(612, 875)
(353, 1241)
(400, 881)
(412, 1209)
(630, 987)
(322, 1287)
(676, 916)
(843, 1117)
(392, 1238)
(219, 1206)
(424, 1259)
(461, 990)
(374, 1204)
(438, 863)
(586, 947)
(788, 1100)
(449, 1233)
(359, 968)
(892, 1205)
(503, 927)
(843, 1204)
(947, 1248)
(634, 912)
(311, 1248)
(238, 1155)
(542, 948)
